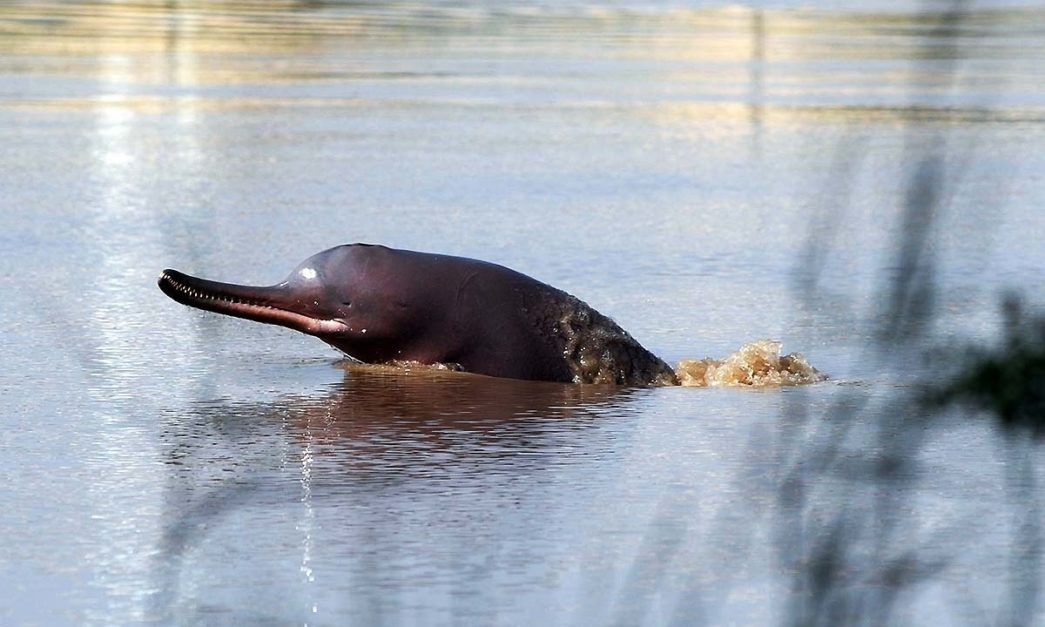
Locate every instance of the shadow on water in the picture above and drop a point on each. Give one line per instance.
(859, 557)
(378, 437)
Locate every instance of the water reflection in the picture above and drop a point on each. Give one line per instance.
(388, 425)
(379, 450)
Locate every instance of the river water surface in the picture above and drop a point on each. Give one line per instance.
(706, 174)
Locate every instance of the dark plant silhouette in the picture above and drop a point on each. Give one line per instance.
(1007, 381)
(851, 555)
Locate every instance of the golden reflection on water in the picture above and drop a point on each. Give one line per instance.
(161, 25)
(696, 63)
(730, 33)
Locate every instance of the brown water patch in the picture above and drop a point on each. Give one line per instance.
(755, 364)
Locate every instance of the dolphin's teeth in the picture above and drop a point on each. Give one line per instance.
(201, 295)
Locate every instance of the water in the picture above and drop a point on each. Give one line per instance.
(707, 175)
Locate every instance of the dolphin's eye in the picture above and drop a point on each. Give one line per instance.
(346, 303)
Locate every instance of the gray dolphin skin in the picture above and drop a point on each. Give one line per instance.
(382, 305)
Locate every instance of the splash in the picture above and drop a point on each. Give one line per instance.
(755, 364)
